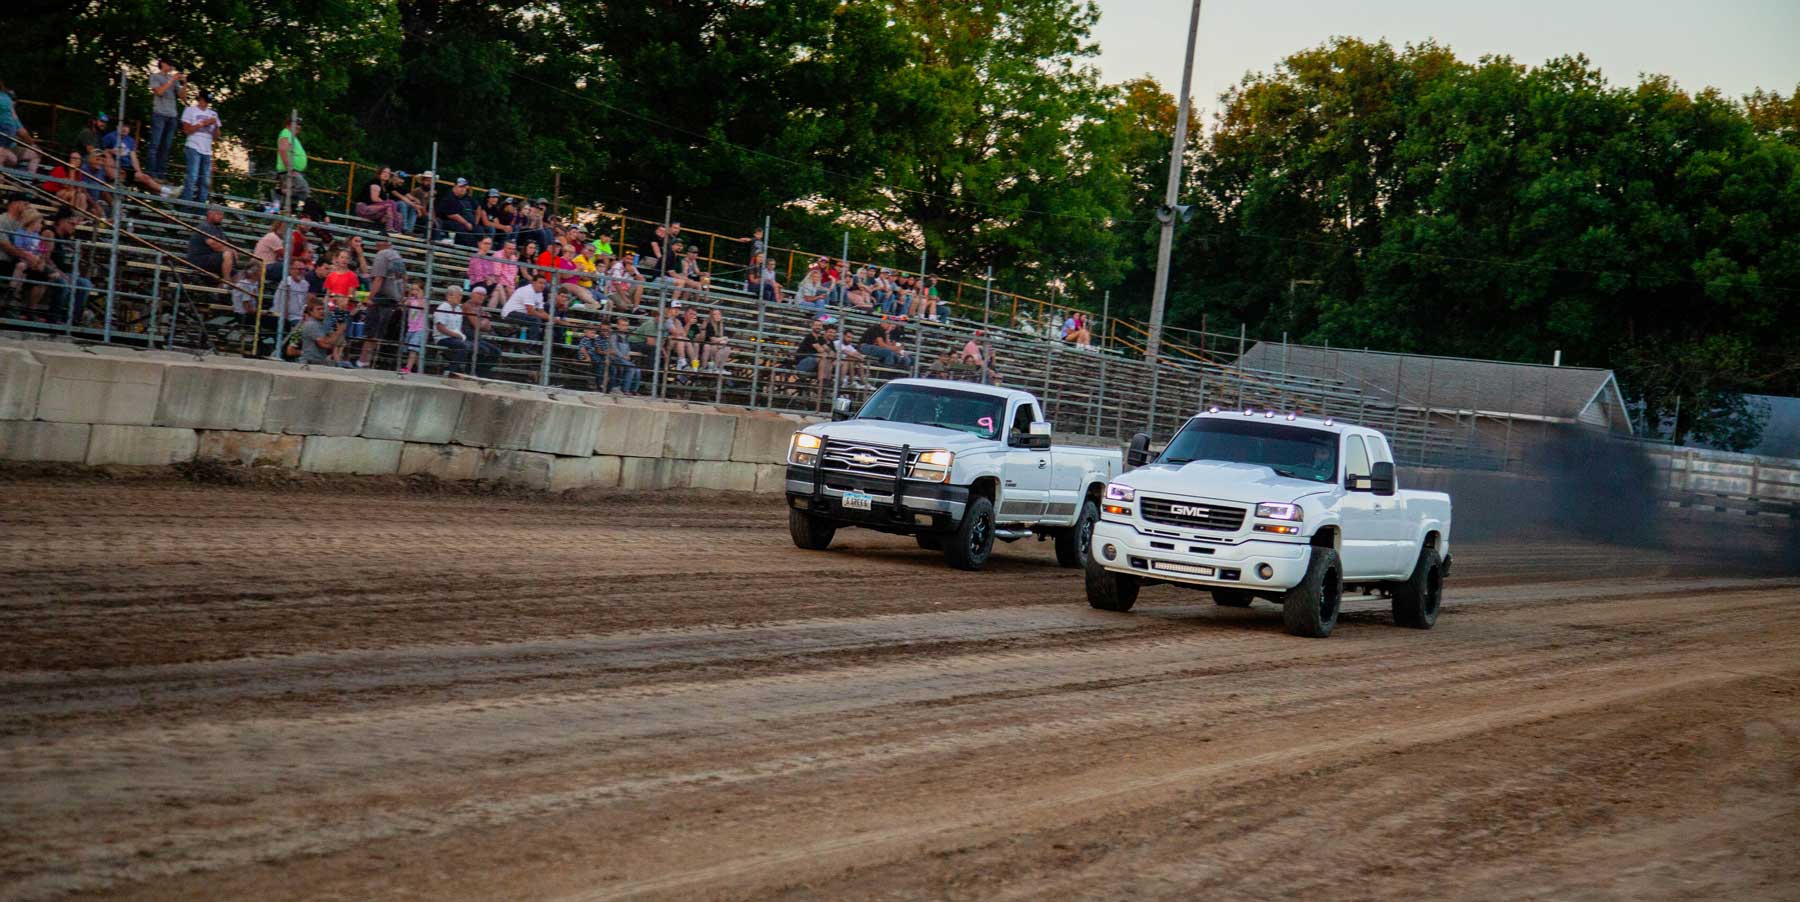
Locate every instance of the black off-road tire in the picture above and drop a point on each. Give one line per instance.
(1310, 609)
(810, 532)
(1232, 598)
(1109, 591)
(968, 546)
(930, 541)
(1416, 601)
(1073, 545)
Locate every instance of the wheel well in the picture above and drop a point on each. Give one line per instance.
(1326, 537)
(1096, 491)
(986, 487)
(1431, 539)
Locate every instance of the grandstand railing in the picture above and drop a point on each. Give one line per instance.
(1102, 392)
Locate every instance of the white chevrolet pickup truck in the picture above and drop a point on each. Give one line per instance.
(955, 464)
(1251, 504)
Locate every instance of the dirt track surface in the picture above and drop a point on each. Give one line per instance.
(252, 693)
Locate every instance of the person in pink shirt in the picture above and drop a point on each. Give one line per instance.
(482, 265)
(506, 271)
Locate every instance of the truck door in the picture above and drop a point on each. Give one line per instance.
(1396, 521)
(1365, 541)
(1025, 476)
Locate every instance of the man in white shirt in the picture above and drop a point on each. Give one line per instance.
(201, 124)
(289, 299)
(526, 307)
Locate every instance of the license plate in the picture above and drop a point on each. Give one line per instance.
(857, 501)
(1190, 569)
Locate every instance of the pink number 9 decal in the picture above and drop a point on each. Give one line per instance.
(986, 423)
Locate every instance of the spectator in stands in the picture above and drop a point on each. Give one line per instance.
(487, 216)
(715, 343)
(527, 307)
(857, 289)
(645, 337)
(530, 223)
(875, 344)
(453, 214)
(208, 250)
(97, 127)
(584, 263)
(925, 300)
(414, 309)
(290, 298)
(689, 280)
(16, 150)
(124, 154)
(852, 364)
(453, 326)
(387, 286)
(557, 257)
(95, 180)
(375, 204)
(415, 203)
(269, 249)
(201, 124)
(72, 288)
(621, 372)
(24, 249)
(166, 88)
(320, 343)
(483, 266)
(505, 271)
(684, 355)
(243, 294)
(290, 164)
(812, 291)
(812, 353)
(73, 194)
(1075, 330)
(627, 283)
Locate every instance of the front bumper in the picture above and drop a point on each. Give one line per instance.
(1232, 566)
(941, 505)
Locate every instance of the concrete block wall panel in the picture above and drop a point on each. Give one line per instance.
(199, 396)
(350, 455)
(251, 449)
(699, 436)
(631, 431)
(85, 388)
(47, 442)
(140, 446)
(451, 462)
(318, 405)
(21, 378)
(415, 413)
(763, 438)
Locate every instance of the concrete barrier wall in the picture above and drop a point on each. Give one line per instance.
(108, 405)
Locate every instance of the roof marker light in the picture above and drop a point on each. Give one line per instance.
(1328, 421)
(1212, 410)
(1249, 413)
(1270, 414)
(1291, 417)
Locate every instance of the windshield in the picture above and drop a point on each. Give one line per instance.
(1293, 451)
(977, 414)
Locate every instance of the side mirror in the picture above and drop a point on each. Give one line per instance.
(1138, 452)
(1040, 428)
(1381, 478)
(840, 408)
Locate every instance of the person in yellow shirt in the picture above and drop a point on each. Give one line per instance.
(584, 264)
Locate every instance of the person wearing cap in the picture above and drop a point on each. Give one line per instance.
(453, 213)
(88, 139)
(124, 150)
(166, 88)
(487, 216)
(290, 164)
(200, 122)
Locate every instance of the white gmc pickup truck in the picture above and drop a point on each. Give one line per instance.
(955, 464)
(1254, 504)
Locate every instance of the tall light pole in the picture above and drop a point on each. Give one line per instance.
(1169, 211)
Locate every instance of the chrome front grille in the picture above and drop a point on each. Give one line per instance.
(862, 458)
(1192, 514)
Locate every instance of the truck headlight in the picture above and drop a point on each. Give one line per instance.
(804, 449)
(1278, 510)
(932, 466)
(1116, 491)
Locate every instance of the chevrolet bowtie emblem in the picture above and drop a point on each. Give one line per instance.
(862, 459)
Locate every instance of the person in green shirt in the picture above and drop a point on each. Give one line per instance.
(290, 165)
(602, 246)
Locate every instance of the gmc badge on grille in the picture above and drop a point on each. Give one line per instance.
(1183, 510)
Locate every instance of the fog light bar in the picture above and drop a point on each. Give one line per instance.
(802, 503)
(1120, 509)
(1282, 530)
(922, 519)
(1264, 571)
